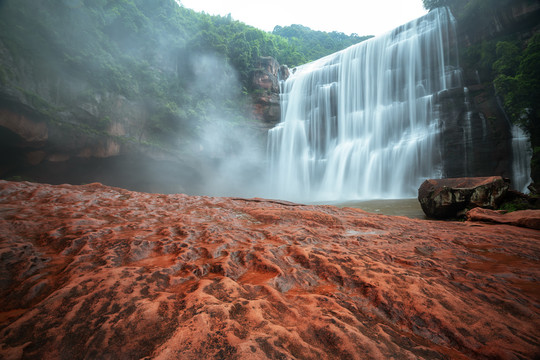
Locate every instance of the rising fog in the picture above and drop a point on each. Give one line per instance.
(140, 77)
(229, 149)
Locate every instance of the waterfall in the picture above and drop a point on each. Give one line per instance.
(521, 159)
(363, 123)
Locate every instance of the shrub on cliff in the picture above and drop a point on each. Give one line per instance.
(518, 83)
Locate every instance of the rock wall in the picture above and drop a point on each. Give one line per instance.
(265, 90)
(476, 133)
(36, 147)
(45, 121)
(476, 137)
(55, 128)
(517, 19)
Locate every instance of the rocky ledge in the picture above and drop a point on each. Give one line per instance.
(98, 272)
(525, 218)
(452, 197)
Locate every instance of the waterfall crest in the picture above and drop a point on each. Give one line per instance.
(363, 123)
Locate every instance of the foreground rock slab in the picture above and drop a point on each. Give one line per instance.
(92, 272)
(448, 198)
(525, 218)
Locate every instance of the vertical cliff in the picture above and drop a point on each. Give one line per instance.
(265, 90)
(485, 28)
(115, 92)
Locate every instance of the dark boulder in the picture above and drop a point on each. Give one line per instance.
(284, 72)
(450, 198)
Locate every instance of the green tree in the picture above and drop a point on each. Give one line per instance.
(432, 4)
(239, 51)
(150, 53)
(311, 44)
(518, 80)
(518, 83)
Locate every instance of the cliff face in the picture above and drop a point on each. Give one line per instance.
(476, 136)
(265, 90)
(40, 115)
(67, 149)
(84, 97)
(513, 17)
(481, 26)
(475, 119)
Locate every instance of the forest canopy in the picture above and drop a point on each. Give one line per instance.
(316, 44)
(181, 64)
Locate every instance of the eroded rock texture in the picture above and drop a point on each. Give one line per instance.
(525, 218)
(98, 272)
(448, 198)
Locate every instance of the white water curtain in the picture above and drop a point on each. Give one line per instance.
(362, 123)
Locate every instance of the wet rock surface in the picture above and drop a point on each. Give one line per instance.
(99, 272)
(449, 198)
(525, 218)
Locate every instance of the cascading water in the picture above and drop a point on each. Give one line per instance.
(521, 164)
(362, 123)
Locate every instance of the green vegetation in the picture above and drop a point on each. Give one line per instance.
(183, 66)
(517, 81)
(507, 59)
(316, 44)
(467, 9)
(432, 4)
(515, 205)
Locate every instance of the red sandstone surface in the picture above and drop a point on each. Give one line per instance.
(94, 272)
(525, 218)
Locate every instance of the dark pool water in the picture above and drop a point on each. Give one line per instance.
(401, 207)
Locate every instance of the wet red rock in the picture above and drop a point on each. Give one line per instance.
(98, 272)
(525, 218)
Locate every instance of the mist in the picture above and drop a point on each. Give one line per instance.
(230, 150)
(145, 81)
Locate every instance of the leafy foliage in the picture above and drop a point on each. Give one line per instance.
(509, 62)
(467, 9)
(432, 4)
(316, 44)
(518, 82)
(182, 65)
